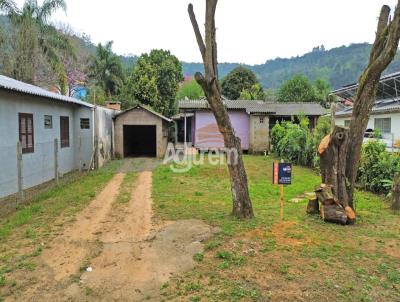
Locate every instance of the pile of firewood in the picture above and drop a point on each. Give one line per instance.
(330, 209)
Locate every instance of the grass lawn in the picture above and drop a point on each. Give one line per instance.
(24, 233)
(301, 259)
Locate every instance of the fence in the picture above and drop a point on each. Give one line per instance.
(20, 171)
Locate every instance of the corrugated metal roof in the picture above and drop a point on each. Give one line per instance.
(273, 108)
(389, 87)
(145, 108)
(286, 109)
(14, 85)
(380, 106)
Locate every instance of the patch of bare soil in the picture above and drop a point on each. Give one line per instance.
(68, 251)
(285, 233)
(130, 255)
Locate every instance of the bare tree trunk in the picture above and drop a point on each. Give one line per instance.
(340, 161)
(396, 193)
(242, 206)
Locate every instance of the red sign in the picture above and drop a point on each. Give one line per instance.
(275, 171)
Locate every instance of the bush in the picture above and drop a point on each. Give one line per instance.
(377, 165)
(296, 143)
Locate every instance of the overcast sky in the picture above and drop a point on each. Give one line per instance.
(248, 31)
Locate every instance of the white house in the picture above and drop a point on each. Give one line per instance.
(44, 134)
(385, 115)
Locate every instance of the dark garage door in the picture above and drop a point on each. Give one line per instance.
(140, 140)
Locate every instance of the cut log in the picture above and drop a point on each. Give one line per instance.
(334, 213)
(351, 216)
(323, 145)
(324, 194)
(313, 206)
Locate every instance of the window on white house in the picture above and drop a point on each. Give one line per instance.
(85, 123)
(384, 124)
(347, 123)
(48, 122)
(64, 131)
(25, 121)
(261, 120)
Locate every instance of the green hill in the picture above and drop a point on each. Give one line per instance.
(339, 66)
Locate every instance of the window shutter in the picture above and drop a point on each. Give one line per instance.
(26, 132)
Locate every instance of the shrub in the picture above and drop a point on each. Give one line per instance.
(377, 165)
(296, 143)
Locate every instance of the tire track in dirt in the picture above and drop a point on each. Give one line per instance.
(67, 252)
(131, 255)
(133, 223)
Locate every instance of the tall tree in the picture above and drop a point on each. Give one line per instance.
(106, 69)
(8, 7)
(341, 156)
(38, 39)
(190, 89)
(242, 206)
(255, 92)
(297, 89)
(322, 89)
(239, 79)
(156, 76)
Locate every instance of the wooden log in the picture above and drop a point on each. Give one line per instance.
(351, 216)
(334, 213)
(313, 206)
(324, 194)
(323, 145)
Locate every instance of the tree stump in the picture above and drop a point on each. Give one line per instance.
(396, 192)
(313, 206)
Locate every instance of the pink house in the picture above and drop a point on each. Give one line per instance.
(252, 121)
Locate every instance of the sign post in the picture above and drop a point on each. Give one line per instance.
(282, 175)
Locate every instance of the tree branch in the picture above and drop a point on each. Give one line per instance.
(383, 20)
(197, 32)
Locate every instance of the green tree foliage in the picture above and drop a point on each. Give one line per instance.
(339, 66)
(106, 70)
(156, 77)
(191, 90)
(297, 89)
(8, 7)
(255, 92)
(322, 89)
(295, 142)
(239, 79)
(377, 165)
(125, 95)
(37, 40)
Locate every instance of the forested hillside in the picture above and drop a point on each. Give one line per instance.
(339, 66)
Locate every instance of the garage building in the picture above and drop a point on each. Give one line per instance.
(139, 131)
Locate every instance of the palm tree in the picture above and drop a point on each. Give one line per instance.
(38, 40)
(8, 7)
(106, 69)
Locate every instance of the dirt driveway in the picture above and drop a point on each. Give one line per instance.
(116, 251)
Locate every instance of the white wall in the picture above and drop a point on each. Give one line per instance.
(395, 124)
(105, 124)
(38, 167)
